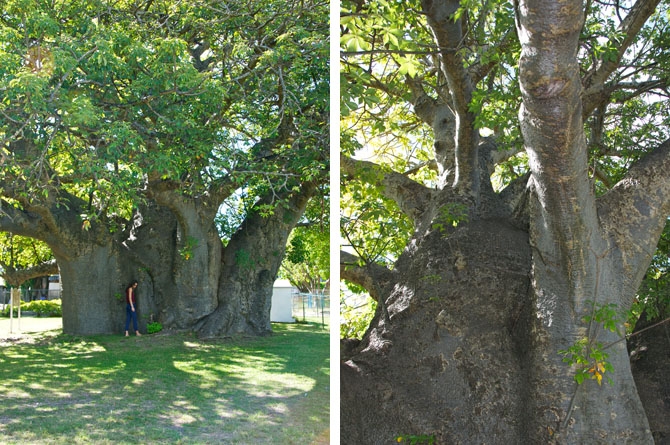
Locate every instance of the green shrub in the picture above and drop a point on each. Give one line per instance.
(45, 308)
(41, 308)
(154, 327)
(5, 311)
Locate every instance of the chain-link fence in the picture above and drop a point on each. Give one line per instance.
(311, 307)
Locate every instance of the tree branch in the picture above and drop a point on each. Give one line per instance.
(440, 117)
(448, 34)
(595, 81)
(563, 210)
(16, 277)
(424, 105)
(635, 211)
(374, 278)
(413, 198)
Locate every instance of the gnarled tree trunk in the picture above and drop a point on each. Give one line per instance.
(94, 266)
(473, 323)
(249, 267)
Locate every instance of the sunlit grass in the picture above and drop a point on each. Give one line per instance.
(167, 389)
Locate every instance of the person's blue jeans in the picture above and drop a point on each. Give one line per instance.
(130, 314)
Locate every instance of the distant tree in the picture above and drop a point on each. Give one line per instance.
(307, 262)
(23, 259)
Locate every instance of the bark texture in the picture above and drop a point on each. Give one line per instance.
(465, 343)
(187, 280)
(650, 362)
(447, 360)
(249, 266)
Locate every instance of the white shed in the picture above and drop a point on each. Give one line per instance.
(282, 302)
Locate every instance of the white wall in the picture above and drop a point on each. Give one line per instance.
(282, 302)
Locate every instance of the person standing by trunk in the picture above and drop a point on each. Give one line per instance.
(131, 306)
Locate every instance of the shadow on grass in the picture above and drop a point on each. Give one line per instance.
(167, 388)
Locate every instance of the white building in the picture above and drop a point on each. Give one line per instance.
(282, 302)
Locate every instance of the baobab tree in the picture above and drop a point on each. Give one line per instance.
(126, 126)
(536, 179)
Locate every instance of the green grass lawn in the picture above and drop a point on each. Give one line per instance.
(167, 389)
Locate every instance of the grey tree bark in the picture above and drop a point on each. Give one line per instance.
(649, 363)
(249, 266)
(92, 263)
(188, 281)
(477, 315)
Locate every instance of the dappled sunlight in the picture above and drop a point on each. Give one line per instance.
(259, 376)
(168, 389)
(206, 378)
(279, 408)
(225, 413)
(96, 371)
(182, 404)
(16, 356)
(279, 386)
(13, 391)
(179, 418)
(199, 346)
(77, 349)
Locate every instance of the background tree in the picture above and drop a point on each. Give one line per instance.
(23, 259)
(307, 262)
(527, 144)
(125, 127)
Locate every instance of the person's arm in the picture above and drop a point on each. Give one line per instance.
(131, 298)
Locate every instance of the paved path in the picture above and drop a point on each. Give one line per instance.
(28, 325)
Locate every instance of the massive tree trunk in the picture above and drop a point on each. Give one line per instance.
(249, 267)
(465, 345)
(470, 348)
(187, 265)
(172, 248)
(94, 266)
(448, 358)
(91, 279)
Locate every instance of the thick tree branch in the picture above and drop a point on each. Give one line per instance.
(448, 34)
(16, 277)
(439, 116)
(564, 218)
(413, 198)
(551, 112)
(374, 278)
(635, 211)
(57, 222)
(424, 105)
(431, 165)
(17, 221)
(595, 81)
(169, 193)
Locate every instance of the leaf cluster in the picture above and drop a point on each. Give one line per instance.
(21, 252)
(355, 319)
(99, 98)
(307, 261)
(588, 354)
(653, 297)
